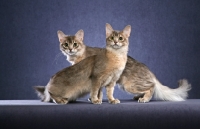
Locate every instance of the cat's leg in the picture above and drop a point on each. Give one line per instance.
(94, 92)
(131, 87)
(100, 95)
(144, 89)
(147, 95)
(109, 92)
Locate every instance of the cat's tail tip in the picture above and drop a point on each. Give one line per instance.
(184, 87)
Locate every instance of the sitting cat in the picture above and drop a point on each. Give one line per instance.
(92, 73)
(136, 77)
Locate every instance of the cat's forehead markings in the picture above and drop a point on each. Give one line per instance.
(70, 39)
(115, 33)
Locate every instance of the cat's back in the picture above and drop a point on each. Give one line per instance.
(81, 70)
(90, 51)
(136, 69)
(134, 64)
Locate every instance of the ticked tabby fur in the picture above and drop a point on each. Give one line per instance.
(74, 48)
(92, 73)
(136, 77)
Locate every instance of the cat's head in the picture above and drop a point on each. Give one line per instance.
(117, 39)
(71, 45)
(58, 99)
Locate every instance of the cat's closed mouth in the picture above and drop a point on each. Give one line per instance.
(116, 46)
(71, 53)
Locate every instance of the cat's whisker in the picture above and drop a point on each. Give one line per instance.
(103, 46)
(56, 57)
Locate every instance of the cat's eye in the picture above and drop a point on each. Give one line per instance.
(112, 38)
(75, 44)
(120, 38)
(65, 45)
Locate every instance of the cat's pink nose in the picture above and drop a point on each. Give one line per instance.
(70, 50)
(115, 42)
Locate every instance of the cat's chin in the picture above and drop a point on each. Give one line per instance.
(71, 53)
(116, 47)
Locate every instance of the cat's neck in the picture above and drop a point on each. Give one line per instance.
(118, 52)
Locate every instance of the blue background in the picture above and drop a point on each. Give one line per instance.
(165, 36)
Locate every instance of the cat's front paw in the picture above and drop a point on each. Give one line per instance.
(143, 100)
(115, 101)
(97, 102)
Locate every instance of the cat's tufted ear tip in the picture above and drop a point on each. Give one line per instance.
(129, 26)
(81, 31)
(108, 25)
(59, 31)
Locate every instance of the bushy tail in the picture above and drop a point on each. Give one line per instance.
(165, 93)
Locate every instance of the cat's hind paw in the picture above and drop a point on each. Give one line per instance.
(142, 100)
(115, 101)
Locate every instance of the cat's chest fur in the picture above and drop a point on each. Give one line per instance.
(109, 66)
(73, 59)
(115, 62)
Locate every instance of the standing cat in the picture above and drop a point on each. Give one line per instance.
(92, 73)
(136, 77)
(74, 48)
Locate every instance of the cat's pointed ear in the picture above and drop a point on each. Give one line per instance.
(80, 35)
(109, 30)
(127, 31)
(40, 91)
(61, 36)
